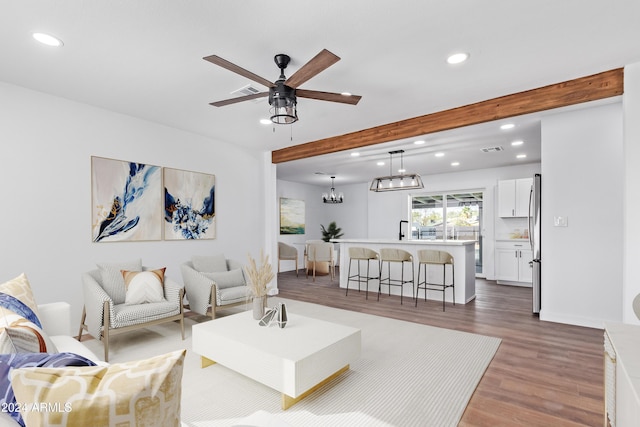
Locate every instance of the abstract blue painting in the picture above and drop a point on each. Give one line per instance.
(126, 201)
(189, 205)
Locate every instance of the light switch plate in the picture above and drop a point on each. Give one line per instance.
(560, 221)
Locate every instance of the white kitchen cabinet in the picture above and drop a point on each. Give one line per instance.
(513, 197)
(512, 262)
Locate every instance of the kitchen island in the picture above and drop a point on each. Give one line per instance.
(463, 252)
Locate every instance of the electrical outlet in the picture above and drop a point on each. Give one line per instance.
(560, 221)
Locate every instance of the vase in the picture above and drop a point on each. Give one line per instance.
(282, 315)
(259, 304)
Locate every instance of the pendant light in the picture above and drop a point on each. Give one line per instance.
(402, 181)
(332, 197)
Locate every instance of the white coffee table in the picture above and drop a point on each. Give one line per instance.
(294, 360)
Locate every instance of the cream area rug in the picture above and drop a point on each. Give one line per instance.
(408, 375)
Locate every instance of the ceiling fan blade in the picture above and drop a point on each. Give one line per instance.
(318, 63)
(328, 96)
(215, 59)
(238, 99)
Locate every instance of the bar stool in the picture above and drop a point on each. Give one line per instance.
(362, 254)
(432, 257)
(389, 255)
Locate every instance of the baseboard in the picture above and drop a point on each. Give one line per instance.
(571, 320)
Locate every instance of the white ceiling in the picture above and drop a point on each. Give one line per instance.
(144, 58)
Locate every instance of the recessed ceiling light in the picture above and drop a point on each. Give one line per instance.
(355, 154)
(47, 39)
(439, 154)
(265, 121)
(507, 126)
(345, 93)
(380, 163)
(419, 142)
(402, 170)
(514, 143)
(457, 58)
(455, 163)
(521, 156)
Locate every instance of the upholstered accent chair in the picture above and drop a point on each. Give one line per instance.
(321, 252)
(214, 282)
(106, 312)
(287, 253)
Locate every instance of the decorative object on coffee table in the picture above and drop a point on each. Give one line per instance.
(282, 315)
(259, 279)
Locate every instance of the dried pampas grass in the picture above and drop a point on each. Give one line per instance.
(259, 277)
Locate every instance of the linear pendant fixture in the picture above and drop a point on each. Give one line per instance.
(403, 181)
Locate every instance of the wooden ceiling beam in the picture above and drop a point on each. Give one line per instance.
(584, 89)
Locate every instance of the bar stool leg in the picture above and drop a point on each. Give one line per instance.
(348, 277)
(444, 283)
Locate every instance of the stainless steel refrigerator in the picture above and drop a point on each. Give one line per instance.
(534, 238)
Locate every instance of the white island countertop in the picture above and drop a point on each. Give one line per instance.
(463, 252)
(408, 242)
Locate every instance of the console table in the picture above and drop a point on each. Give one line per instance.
(622, 374)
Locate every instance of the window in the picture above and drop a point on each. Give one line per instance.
(449, 216)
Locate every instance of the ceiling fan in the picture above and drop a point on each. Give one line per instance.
(283, 92)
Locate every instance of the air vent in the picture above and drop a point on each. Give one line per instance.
(492, 149)
(246, 90)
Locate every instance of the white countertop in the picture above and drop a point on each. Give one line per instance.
(408, 242)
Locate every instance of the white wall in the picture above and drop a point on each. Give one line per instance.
(631, 275)
(582, 179)
(350, 216)
(46, 144)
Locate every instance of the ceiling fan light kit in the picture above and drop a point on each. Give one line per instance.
(332, 197)
(391, 182)
(282, 98)
(283, 93)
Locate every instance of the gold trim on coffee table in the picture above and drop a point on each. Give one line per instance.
(288, 401)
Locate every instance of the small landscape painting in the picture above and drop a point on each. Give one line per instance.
(125, 201)
(189, 205)
(291, 216)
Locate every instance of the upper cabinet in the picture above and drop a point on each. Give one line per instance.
(513, 197)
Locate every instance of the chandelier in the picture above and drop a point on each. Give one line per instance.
(332, 197)
(402, 181)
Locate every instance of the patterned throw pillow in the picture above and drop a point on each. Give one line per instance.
(141, 393)
(21, 290)
(112, 281)
(9, 362)
(209, 263)
(24, 336)
(15, 305)
(144, 286)
(20, 328)
(227, 279)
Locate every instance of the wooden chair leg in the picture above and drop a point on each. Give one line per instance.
(82, 320)
(105, 330)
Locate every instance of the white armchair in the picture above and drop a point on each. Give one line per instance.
(209, 291)
(105, 313)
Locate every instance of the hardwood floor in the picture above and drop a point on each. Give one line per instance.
(544, 373)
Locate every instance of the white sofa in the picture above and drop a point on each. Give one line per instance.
(56, 322)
